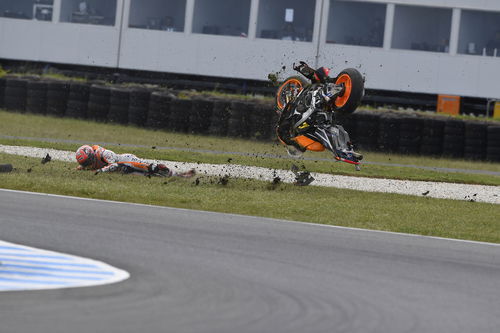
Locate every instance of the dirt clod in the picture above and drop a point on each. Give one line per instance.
(223, 180)
(46, 159)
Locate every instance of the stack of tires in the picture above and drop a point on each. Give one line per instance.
(15, 94)
(200, 115)
(99, 101)
(138, 106)
(432, 137)
(238, 124)
(260, 121)
(57, 97)
(160, 105)
(36, 97)
(475, 140)
(2, 91)
(410, 135)
(367, 130)
(220, 118)
(493, 144)
(78, 100)
(389, 133)
(453, 139)
(118, 106)
(180, 110)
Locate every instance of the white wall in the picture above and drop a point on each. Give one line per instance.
(248, 58)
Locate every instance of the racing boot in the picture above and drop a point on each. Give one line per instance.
(349, 156)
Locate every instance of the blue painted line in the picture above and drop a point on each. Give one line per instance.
(63, 277)
(52, 269)
(48, 263)
(34, 281)
(22, 255)
(4, 247)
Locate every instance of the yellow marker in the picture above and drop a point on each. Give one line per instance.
(496, 112)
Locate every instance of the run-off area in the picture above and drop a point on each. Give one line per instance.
(27, 268)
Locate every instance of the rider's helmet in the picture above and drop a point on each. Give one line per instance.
(321, 74)
(85, 156)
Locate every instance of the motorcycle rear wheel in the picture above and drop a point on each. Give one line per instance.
(354, 85)
(288, 90)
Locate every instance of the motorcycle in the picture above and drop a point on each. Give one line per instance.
(308, 112)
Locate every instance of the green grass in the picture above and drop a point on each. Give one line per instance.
(15, 124)
(390, 212)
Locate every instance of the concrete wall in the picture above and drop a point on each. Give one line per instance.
(251, 57)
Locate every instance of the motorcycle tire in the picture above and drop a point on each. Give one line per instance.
(296, 83)
(354, 90)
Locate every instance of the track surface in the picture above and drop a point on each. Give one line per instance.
(205, 272)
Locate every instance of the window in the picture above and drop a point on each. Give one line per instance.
(157, 14)
(286, 19)
(479, 33)
(356, 23)
(27, 9)
(221, 17)
(422, 28)
(101, 12)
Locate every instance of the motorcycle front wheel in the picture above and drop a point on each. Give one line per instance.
(288, 90)
(354, 85)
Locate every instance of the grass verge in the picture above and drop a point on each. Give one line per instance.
(390, 212)
(226, 149)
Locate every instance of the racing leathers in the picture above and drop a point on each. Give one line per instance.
(105, 160)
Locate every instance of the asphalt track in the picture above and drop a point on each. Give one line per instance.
(196, 271)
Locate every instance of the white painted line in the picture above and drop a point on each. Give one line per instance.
(477, 193)
(28, 268)
(260, 218)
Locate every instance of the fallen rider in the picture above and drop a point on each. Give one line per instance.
(100, 160)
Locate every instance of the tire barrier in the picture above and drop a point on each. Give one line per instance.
(2, 91)
(138, 106)
(238, 124)
(432, 137)
(160, 105)
(220, 118)
(493, 147)
(389, 133)
(99, 101)
(200, 115)
(453, 138)
(259, 121)
(475, 140)
(410, 135)
(57, 97)
(118, 106)
(78, 100)
(367, 130)
(385, 131)
(36, 97)
(180, 110)
(15, 94)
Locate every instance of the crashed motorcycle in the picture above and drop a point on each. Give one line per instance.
(309, 110)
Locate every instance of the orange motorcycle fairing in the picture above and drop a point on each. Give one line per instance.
(309, 144)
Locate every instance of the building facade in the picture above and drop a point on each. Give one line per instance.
(422, 46)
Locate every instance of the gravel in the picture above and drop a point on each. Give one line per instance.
(476, 193)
